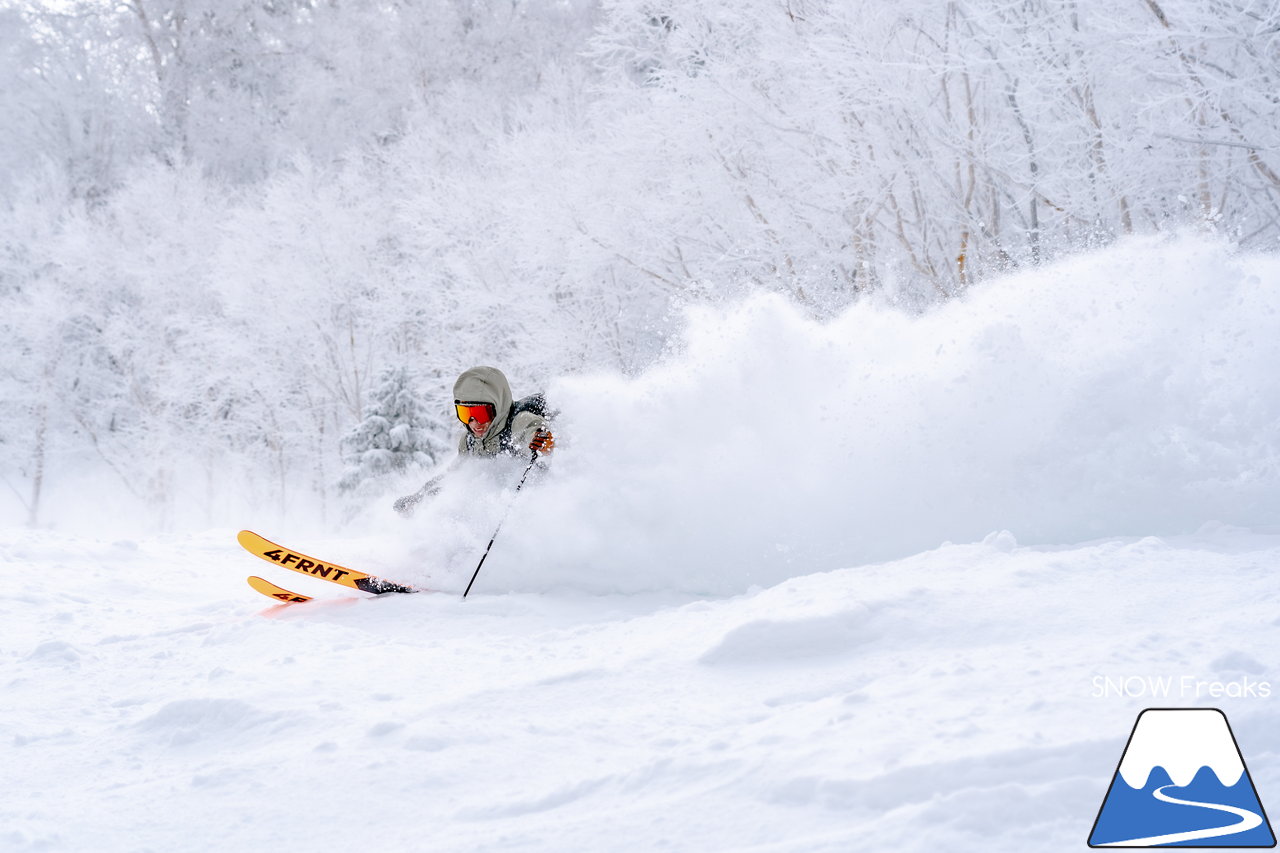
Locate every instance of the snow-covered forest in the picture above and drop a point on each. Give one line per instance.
(223, 220)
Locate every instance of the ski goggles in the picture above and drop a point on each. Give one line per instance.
(482, 412)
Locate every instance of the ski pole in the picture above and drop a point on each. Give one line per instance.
(507, 512)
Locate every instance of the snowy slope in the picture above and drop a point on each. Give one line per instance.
(724, 618)
(941, 702)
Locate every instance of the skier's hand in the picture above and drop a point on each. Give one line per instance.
(543, 441)
(407, 504)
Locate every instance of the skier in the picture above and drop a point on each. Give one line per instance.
(495, 425)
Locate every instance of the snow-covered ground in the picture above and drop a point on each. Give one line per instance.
(941, 702)
(729, 616)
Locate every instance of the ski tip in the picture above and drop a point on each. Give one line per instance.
(279, 593)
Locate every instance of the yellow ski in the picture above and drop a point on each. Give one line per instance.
(279, 593)
(292, 560)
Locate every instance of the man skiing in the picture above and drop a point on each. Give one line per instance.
(495, 425)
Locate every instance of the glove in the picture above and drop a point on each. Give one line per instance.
(407, 504)
(543, 441)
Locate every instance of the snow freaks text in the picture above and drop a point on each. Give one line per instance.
(1177, 687)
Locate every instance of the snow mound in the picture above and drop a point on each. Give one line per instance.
(771, 640)
(190, 720)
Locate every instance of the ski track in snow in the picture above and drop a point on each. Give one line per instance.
(939, 702)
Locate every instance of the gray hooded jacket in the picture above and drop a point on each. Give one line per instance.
(488, 385)
(507, 434)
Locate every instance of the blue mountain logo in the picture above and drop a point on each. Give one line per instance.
(1182, 782)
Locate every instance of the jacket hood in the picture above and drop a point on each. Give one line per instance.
(486, 385)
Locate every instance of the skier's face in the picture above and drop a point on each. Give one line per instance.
(477, 416)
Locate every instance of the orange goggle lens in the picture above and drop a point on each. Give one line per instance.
(482, 412)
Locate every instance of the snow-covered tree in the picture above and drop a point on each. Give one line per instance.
(217, 217)
(395, 434)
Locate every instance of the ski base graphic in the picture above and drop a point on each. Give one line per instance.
(279, 593)
(332, 572)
